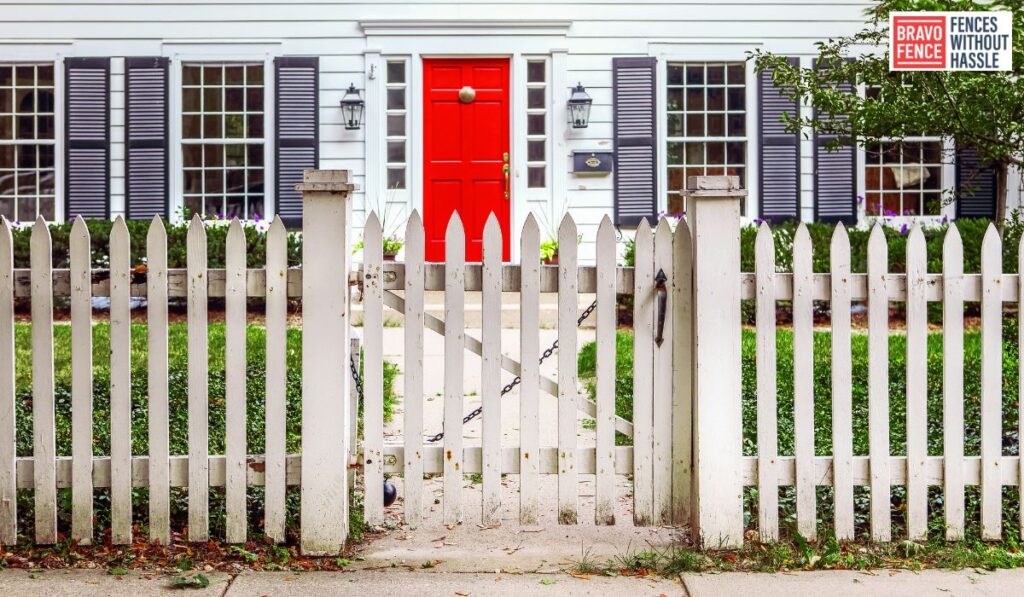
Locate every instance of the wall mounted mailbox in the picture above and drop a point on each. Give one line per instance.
(592, 163)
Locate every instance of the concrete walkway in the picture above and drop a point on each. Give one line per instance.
(401, 581)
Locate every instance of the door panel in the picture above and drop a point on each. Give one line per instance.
(465, 148)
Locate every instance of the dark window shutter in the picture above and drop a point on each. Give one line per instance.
(297, 146)
(87, 136)
(835, 177)
(635, 131)
(976, 186)
(780, 152)
(146, 156)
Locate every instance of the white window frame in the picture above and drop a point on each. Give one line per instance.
(541, 193)
(189, 51)
(20, 51)
(35, 141)
(733, 50)
(392, 194)
(221, 142)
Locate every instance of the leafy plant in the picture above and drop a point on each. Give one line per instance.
(548, 249)
(199, 581)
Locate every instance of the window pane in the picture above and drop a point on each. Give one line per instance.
(213, 205)
(6, 75)
(193, 205)
(212, 127)
(716, 74)
(235, 181)
(24, 76)
(396, 151)
(675, 125)
(254, 128)
(27, 157)
(191, 126)
(213, 156)
(234, 99)
(255, 155)
(256, 207)
(254, 99)
(6, 127)
(213, 181)
(26, 208)
(6, 156)
(736, 152)
(254, 74)
(7, 208)
(191, 99)
(193, 181)
(675, 153)
(535, 177)
(535, 151)
(737, 74)
(535, 71)
(737, 98)
(716, 153)
(674, 100)
(235, 208)
(213, 75)
(737, 125)
(396, 72)
(44, 101)
(695, 125)
(235, 155)
(675, 74)
(396, 99)
(234, 75)
(716, 125)
(254, 181)
(47, 180)
(213, 100)
(535, 124)
(191, 75)
(396, 178)
(695, 100)
(695, 74)
(535, 98)
(44, 127)
(716, 98)
(396, 125)
(6, 100)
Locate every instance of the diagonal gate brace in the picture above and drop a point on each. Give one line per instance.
(549, 386)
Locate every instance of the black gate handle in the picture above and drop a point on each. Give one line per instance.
(662, 293)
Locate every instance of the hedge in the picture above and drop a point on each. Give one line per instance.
(99, 232)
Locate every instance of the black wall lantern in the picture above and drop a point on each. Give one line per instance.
(579, 107)
(352, 106)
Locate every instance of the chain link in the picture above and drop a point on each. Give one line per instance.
(505, 390)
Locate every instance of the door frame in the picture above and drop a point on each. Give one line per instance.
(415, 40)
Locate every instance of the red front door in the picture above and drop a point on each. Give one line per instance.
(465, 149)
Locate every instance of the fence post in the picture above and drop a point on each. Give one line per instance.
(325, 354)
(714, 217)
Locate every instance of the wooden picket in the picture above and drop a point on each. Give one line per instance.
(842, 376)
(568, 301)
(81, 383)
(415, 246)
(604, 512)
(767, 406)
(198, 385)
(682, 373)
(953, 382)
(991, 384)
(44, 448)
(157, 371)
(373, 371)
(235, 466)
(803, 383)
(454, 332)
(277, 380)
(662, 368)
(643, 387)
(490, 371)
(120, 385)
(878, 385)
(8, 453)
(917, 386)
(529, 390)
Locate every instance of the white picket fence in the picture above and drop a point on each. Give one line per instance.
(880, 470)
(685, 460)
(659, 457)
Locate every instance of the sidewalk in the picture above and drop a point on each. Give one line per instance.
(87, 583)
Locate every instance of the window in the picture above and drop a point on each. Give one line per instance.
(397, 116)
(222, 139)
(536, 124)
(706, 111)
(27, 174)
(903, 179)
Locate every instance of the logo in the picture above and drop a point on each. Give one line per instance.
(947, 41)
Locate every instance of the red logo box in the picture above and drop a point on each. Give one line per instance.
(918, 42)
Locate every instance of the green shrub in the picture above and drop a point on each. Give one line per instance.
(99, 236)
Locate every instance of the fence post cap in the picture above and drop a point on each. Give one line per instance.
(325, 181)
(722, 187)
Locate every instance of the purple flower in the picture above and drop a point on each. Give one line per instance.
(860, 199)
(903, 229)
(759, 221)
(890, 213)
(945, 219)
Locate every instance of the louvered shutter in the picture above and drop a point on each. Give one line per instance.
(835, 177)
(146, 159)
(976, 186)
(297, 131)
(635, 132)
(780, 152)
(87, 137)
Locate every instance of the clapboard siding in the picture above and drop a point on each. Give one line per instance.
(329, 29)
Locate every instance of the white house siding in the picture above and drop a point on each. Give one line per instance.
(596, 32)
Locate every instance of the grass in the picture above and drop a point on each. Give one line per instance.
(178, 407)
(823, 420)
